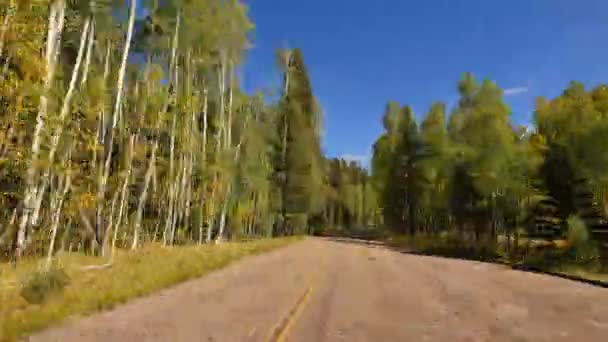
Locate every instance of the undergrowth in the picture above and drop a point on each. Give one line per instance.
(32, 300)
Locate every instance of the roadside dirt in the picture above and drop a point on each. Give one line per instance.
(321, 290)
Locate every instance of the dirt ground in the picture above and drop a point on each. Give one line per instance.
(322, 290)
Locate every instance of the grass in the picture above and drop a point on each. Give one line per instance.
(574, 261)
(133, 274)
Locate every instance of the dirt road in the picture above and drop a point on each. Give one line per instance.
(320, 290)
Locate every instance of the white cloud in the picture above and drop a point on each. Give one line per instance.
(515, 91)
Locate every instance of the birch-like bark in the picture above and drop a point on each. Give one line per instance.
(56, 22)
(101, 138)
(65, 109)
(181, 191)
(222, 224)
(210, 224)
(172, 186)
(201, 223)
(174, 70)
(169, 218)
(56, 216)
(205, 125)
(222, 89)
(191, 151)
(115, 114)
(204, 161)
(110, 226)
(87, 60)
(237, 154)
(142, 197)
(177, 194)
(121, 209)
(229, 124)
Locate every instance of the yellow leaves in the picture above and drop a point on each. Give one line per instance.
(87, 200)
(538, 142)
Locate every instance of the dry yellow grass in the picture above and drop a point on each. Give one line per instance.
(132, 275)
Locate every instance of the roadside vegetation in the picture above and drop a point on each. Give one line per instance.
(123, 123)
(132, 159)
(33, 297)
(124, 132)
(467, 182)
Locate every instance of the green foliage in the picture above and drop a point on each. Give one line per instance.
(41, 284)
(477, 176)
(218, 170)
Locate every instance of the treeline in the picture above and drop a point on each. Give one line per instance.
(475, 174)
(118, 128)
(351, 197)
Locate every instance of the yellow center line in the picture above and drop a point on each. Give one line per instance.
(284, 332)
(282, 329)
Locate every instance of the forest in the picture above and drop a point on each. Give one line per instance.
(120, 128)
(124, 123)
(132, 158)
(473, 179)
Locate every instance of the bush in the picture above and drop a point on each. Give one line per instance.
(40, 285)
(449, 244)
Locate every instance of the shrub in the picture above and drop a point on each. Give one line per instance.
(41, 284)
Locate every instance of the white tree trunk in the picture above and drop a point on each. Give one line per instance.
(222, 225)
(229, 125)
(108, 230)
(121, 209)
(205, 125)
(222, 89)
(142, 197)
(56, 216)
(173, 69)
(56, 22)
(210, 224)
(237, 155)
(87, 62)
(200, 224)
(115, 115)
(123, 63)
(65, 109)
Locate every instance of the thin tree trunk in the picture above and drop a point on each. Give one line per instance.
(142, 197)
(171, 205)
(121, 209)
(110, 226)
(221, 90)
(200, 224)
(229, 124)
(56, 22)
(222, 224)
(85, 71)
(210, 224)
(65, 108)
(173, 69)
(56, 218)
(205, 125)
(115, 114)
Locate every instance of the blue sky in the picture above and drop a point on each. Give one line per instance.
(361, 53)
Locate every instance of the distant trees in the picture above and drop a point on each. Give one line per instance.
(351, 200)
(478, 174)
